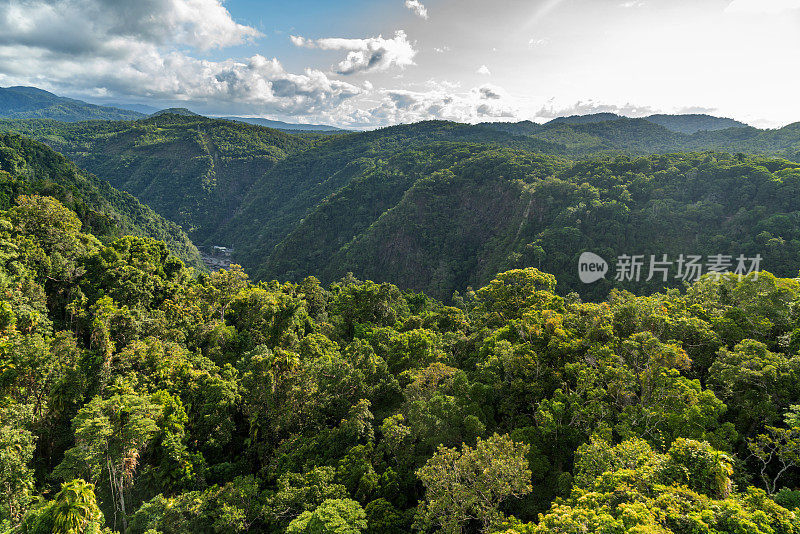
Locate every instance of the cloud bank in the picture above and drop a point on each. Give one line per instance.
(365, 55)
(143, 49)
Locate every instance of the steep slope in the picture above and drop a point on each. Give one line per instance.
(487, 210)
(291, 206)
(27, 166)
(190, 169)
(453, 228)
(319, 243)
(33, 103)
(285, 195)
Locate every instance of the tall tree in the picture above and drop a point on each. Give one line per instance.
(110, 435)
(471, 484)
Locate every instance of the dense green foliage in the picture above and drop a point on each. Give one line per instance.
(685, 123)
(440, 206)
(136, 398)
(449, 216)
(192, 170)
(29, 167)
(589, 135)
(236, 184)
(33, 103)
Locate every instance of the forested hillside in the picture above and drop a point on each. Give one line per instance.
(192, 170)
(439, 206)
(33, 103)
(587, 136)
(28, 167)
(685, 123)
(136, 398)
(449, 216)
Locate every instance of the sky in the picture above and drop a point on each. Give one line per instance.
(367, 64)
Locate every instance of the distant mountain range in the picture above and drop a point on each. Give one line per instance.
(176, 111)
(687, 124)
(267, 123)
(438, 206)
(280, 125)
(33, 103)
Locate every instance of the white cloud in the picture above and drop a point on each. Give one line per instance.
(771, 7)
(538, 42)
(632, 3)
(92, 26)
(553, 109)
(256, 83)
(440, 101)
(366, 55)
(107, 47)
(441, 49)
(417, 7)
(483, 71)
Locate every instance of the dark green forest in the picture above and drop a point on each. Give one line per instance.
(407, 347)
(439, 206)
(33, 103)
(137, 397)
(28, 167)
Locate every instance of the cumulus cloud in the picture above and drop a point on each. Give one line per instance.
(771, 7)
(553, 109)
(538, 42)
(152, 49)
(365, 55)
(441, 49)
(632, 3)
(92, 26)
(439, 101)
(418, 9)
(256, 83)
(483, 71)
(107, 47)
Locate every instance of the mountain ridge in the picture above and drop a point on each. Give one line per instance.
(21, 102)
(30, 167)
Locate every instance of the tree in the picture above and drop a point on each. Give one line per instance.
(512, 292)
(300, 493)
(383, 518)
(471, 484)
(16, 478)
(239, 505)
(777, 451)
(110, 435)
(333, 516)
(756, 383)
(75, 510)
